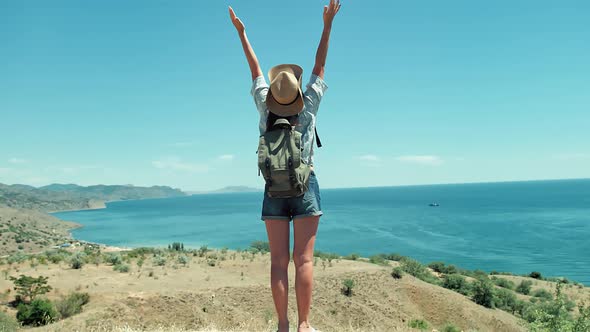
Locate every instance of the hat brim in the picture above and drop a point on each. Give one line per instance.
(292, 108)
(284, 110)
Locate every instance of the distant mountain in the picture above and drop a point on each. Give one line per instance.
(227, 190)
(115, 192)
(57, 197)
(61, 187)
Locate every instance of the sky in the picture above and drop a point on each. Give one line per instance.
(420, 92)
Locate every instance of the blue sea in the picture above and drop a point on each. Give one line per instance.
(510, 226)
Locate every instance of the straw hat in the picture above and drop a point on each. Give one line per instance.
(284, 96)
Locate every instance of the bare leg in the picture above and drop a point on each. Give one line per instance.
(278, 239)
(305, 234)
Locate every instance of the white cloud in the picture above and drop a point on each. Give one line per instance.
(421, 160)
(17, 161)
(369, 157)
(176, 164)
(228, 157)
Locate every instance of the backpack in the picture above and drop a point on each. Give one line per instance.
(279, 161)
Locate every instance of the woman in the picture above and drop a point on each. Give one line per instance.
(284, 97)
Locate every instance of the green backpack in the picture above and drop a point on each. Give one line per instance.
(279, 161)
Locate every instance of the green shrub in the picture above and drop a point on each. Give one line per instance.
(520, 307)
(141, 251)
(54, 257)
(182, 259)
(457, 283)
(159, 260)
(17, 257)
(419, 324)
(476, 274)
(483, 292)
(450, 328)
(113, 259)
(77, 261)
(325, 255)
(505, 299)
(123, 268)
(550, 316)
(378, 259)
(71, 304)
(260, 246)
(394, 257)
(440, 267)
(542, 294)
(38, 312)
(7, 323)
(352, 257)
(347, 286)
(417, 270)
(582, 323)
(397, 272)
(524, 287)
(202, 251)
(42, 259)
(536, 275)
(504, 283)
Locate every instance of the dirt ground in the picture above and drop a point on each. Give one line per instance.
(234, 295)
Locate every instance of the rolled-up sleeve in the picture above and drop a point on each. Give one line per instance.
(314, 92)
(259, 92)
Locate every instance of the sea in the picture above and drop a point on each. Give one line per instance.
(506, 226)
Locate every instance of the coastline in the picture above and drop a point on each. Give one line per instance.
(102, 204)
(92, 205)
(111, 248)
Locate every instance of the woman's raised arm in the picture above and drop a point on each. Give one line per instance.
(248, 51)
(320, 58)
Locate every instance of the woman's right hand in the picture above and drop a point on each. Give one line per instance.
(236, 21)
(330, 11)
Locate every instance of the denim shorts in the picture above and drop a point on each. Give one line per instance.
(306, 205)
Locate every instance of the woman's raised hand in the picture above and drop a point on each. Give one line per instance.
(236, 21)
(330, 11)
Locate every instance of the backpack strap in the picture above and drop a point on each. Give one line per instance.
(317, 138)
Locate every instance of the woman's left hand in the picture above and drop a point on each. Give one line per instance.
(236, 21)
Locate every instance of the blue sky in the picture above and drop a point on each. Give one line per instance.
(420, 92)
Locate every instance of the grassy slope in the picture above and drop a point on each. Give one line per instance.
(32, 230)
(235, 295)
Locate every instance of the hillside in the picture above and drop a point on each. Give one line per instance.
(30, 231)
(57, 197)
(230, 291)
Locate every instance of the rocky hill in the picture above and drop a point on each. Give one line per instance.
(30, 231)
(58, 197)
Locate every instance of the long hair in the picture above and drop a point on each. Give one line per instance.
(271, 118)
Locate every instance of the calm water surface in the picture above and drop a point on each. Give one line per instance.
(517, 226)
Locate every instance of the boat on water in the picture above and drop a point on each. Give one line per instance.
(433, 204)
